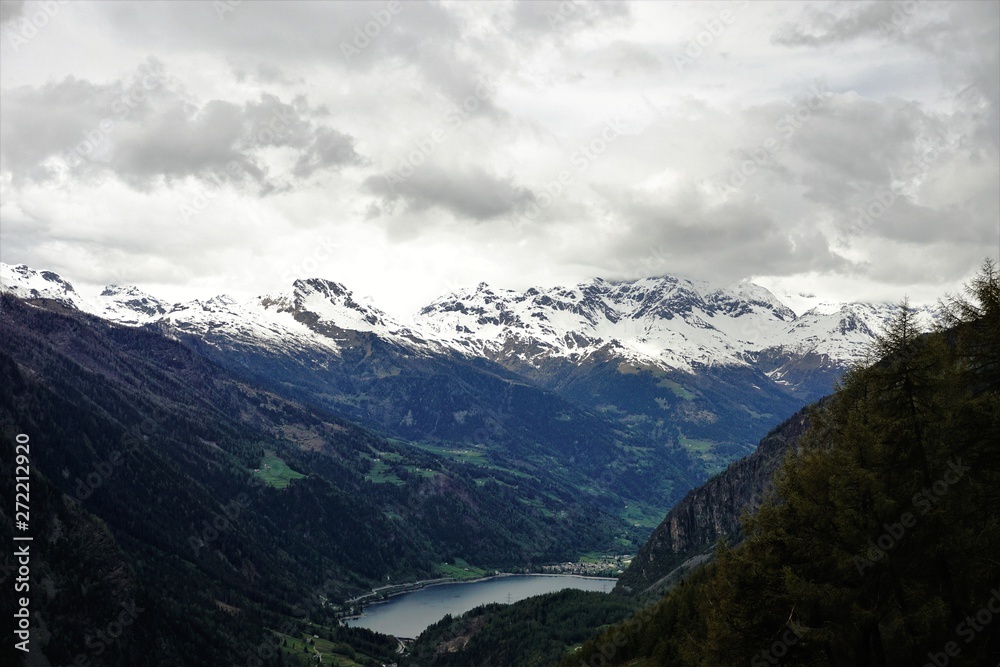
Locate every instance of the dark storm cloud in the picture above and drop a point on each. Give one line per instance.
(145, 128)
(471, 192)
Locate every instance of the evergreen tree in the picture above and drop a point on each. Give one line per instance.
(879, 541)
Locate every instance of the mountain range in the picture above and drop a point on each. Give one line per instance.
(668, 362)
(667, 323)
(497, 428)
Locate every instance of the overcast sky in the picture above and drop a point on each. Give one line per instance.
(405, 149)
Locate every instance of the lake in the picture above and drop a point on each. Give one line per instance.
(408, 614)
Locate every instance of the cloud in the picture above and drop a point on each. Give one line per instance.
(841, 22)
(470, 192)
(321, 106)
(686, 228)
(145, 128)
(549, 16)
(262, 72)
(329, 150)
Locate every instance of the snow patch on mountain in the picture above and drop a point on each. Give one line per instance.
(26, 283)
(128, 305)
(666, 322)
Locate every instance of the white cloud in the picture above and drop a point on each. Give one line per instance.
(519, 187)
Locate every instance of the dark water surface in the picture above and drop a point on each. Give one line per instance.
(407, 615)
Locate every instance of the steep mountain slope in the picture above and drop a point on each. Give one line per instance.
(177, 457)
(680, 369)
(313, 345)
(713, 510)
(877, 544)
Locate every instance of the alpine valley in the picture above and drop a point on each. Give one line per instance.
(228, 463)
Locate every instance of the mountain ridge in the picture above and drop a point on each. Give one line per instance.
(667, 323)
(679, 368)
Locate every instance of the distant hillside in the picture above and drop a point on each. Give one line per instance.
(167, 452)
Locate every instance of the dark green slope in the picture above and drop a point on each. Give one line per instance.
(446, 401)
(716, 414)
(161, 445)
(879, 544)
(713, 510)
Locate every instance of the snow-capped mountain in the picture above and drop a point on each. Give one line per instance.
(670, 362)
(127, 305)
(26, 283)
(665, 322)
(314, 315)
(668, 323)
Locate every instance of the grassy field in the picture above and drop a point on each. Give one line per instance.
(641, 514)
(420, 472)
(334, 653)
(678, 390)
(460, 570)
(704, 450)
(381, 474)
(462, 454)
(276, 472)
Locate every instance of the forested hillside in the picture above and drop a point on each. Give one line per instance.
(226, 508)
(878, 545)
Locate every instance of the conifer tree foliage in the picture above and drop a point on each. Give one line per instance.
(879, 546)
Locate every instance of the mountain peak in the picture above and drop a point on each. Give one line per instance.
(330, 302)
(127, 304)
(26, 283)
(328, 288)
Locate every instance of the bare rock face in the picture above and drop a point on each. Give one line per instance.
(713, 510)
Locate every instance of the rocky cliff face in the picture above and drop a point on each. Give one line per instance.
(712, 510)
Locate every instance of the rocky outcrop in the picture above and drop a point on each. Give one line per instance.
(712, 510)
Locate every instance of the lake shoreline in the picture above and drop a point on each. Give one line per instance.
(423, 584)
